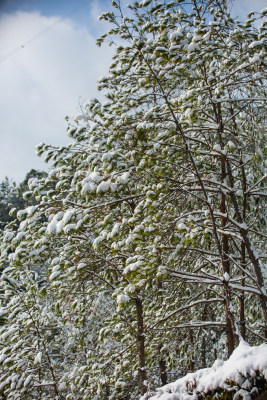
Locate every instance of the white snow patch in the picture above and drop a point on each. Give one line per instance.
(103, 187)
(182, 226)
(255, 44)
(255, 59)
(176, 35)
(217, 147)
(67, 216)
(123, 179)
(69, 228)
(3, 311)
(193, 47)
(38, 358)
(8, 236)
(98, 240)
(122, 298)
(226, 276)
(88, 188)
(81, 265)
(244, 361)
(95, 177)
(27, 380)
(3, 357)
(54, 275)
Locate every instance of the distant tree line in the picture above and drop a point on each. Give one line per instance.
(11, 196)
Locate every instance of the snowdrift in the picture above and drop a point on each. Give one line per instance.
(239, 373)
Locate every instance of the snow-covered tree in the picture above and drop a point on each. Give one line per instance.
(8, 197)
(11, 196)
(143, 257)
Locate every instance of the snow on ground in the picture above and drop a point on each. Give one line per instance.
(244, 361)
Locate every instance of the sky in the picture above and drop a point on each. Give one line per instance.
(49, 66)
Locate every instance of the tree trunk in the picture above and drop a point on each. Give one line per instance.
(243, 254)
(203, 353)
(250, 250)
(232, 339)
(192, 362)
(141, 345)
(162, 368)
(242, 296)
(203, 344)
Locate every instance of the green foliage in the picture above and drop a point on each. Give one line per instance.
(130, 258)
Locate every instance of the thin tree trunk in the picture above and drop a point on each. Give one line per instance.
(242, 296)
(229, 322)
(243, 254)
(141, 345)
(250, 250)
(215, 354)
(203, 344)
(162, 368)
(192, 362)
(203, 353)
(162, 363)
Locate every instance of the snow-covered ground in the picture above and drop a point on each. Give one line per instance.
(243, 363)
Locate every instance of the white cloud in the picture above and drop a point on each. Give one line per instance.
(41, 84)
